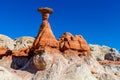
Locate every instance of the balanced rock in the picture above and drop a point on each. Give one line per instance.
(45, 36)
(68, 41)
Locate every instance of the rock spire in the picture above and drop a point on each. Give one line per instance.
(45, 36)
(46, 40)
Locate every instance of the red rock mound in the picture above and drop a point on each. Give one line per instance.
(68, 41)
(20, 52)
(46, 38)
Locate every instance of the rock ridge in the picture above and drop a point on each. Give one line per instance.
(67, 41)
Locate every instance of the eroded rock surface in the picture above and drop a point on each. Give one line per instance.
(23, 42)
(68, 58)
(7, 42)
(45, 36)
(57, 66)
(7, 75)
(68, 41)
(101, 53)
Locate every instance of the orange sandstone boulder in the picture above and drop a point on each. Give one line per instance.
(2, 52)
(68, 41)
(46, 39)
(21, 52)
(5, 53)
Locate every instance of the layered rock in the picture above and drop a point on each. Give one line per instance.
(5, 53)
(55, 66)
(45, 36)
(23, 42)
(60, 59)
(7, 42)
(112, 55)
(101, 53)
(7, 75)
(68, 41)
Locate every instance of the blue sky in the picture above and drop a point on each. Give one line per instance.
(98, 21)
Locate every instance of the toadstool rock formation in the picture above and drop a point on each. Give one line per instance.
(46, 42)
(45, 36)
(64, 59)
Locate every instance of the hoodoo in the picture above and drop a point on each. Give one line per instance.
(66, 42)
(46, 58)
(45, 36)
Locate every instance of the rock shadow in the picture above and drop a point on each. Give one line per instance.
(23, 63)
(7, 53)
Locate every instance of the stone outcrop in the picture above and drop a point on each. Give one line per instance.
(54, 66)
(107, 62)
(68, 41)
(7, 42)
(62, 59)
(5, 53)
(43, 60)
(23, 42)
(45, 36)
(112, 55)
(101, 53)
(7, 75)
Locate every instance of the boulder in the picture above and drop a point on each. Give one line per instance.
(101, 53)
(7, 42)
(68, 41)
(23, 42)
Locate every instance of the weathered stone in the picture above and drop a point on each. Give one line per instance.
(117, 74)
(74, 45)
(63, 62)
(43, 60)
(7, 42)
(61, 45)
(5, 74)
(74, 38)
(21, 52)
(45, 36)
(5, 53)
(112, 56)
(66, 37)
(23, 42)
(101, 53)
(78, 43)
(83, 44)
